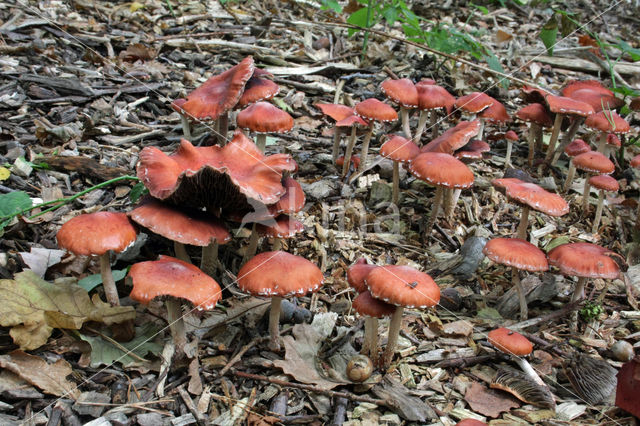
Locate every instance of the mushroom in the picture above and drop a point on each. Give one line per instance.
(495, 113)
(602, 183)
(372, 309)
(179, 280)
(404, 287)
(565, 107)
(584, 260)
(537, 117)
(354, 122)
(472, 151)
(577, 147)
(284, 227)
(530, 196)
(606, 122)
(443, 171)
(519, 255)
(516, 346)
(277, 274)
(372, 110)
(592, 162)
(474, 103)
(454, 138)
(182, 227)
(257, 89)
(263, 118)
(628, 387)
(399, 150)
(403, 93)
(98, 234)
(355, 277)
(336, 112)
(510, 137)
(431, 98)
(593, 93)
(635, 163)
(524, 388)
(355, 163)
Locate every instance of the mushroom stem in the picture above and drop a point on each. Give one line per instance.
(437, 200)
(524, 310)
(274, 323)
(108, 283)
(396, 183)
(567, 138)
(349, 151)
(596, 220)
(539, 135)
(365, 149)
(181, 252)
(531, 139)
(370, 343)
(557, 124)
(507, 159)
(223, 129)
(404, 116)
(524, 223)
(480, 129)
(392, 340)
(602, 142)
(186, 127)
(585, 194)
(422, 123)
(261, 141)
(176, 324)
(433, 123)
(570, 175)
(337, 133)
(452, 195)
(209, 260)
(528, 370)
(277, 244)
(253, 244)
(578, 293)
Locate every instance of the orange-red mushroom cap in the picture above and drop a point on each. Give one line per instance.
(256, 90)
(357, 273)
(577, 147)
(374, 110)
(535, 113)
(454, 138)
(495, 113)
(532, 195)
(403, 286)
(398, 148)
(401, 91)
(431, 96)
(510, 342)
(366, 304)
(564, 105)
(442, 170)
(474, 102)
(517, 253)
(607, 121)
(284, 227)
(96, 233)
(263, 117)
(584, 260)
(594, 162)
(336, 111)
(605, 182)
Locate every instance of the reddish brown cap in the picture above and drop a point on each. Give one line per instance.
(256, 90)
(577, 147)
(176, 105)
(564, 105)
(194, 227)
(517, 253)
(336, 111)
(277, 273)
(401, 91)
(468, 156)
(357, 273)
(477, 145)
(374, 110)
(352, 120)
(355, 161)
(263, 117)
(594, 162)
(533, 196)
(495, 113)
(584, 260)
(169, 276)
(534, 94)
(454, 138)
(613, 140)
(593, 93)
(510, 342)
(366, 304)
(635, 161)
(607, 121)
(474, 102)
(293, 199)
(219, 93)
(605, 182)
(96, 233)
(441, 170)
(403, 286)
(284, 227)
(535, 113)
(511, 135)
(431, 96)
(399, 149)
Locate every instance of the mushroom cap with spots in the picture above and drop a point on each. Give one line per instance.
(496, 113)
(169, 276)
(532, 195)
(517, 253)
(604, 182)
(374, 110)
(263, 117)
(432, 96)
(568, 106)
(398, 148)
(442, 170)
(454, 138)
(593, 93)
(594, 162)
(607, 121)
(97, 233)
(401, 92)
(474, 102)
(585, 260)
(277, 273)
(577, 147)
(366, 304)
(357, 273)
(403, 286)
(535, 113)
(510, 342)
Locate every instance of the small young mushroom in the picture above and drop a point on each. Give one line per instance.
(337, 112)
(263, 118)
(537, 116)
(401, 286)
(399, 150)
(403, 93)
(277, 274)
(354, 123)
(257, 89)
(510, 137)
(516, 346)
(372, 309)
(430, 99)
(606, 122)
(372, 110)
(592, 162)
(602, 183)
(577, 147)
(565, 107)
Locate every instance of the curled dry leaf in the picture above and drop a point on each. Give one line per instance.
(487, 401)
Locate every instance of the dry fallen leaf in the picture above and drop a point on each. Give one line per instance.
(51, 378)
(488, 402)
(39, 259)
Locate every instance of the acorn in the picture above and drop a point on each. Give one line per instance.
(622, 350)
(359, 368)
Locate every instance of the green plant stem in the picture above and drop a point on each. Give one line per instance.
(365, 42)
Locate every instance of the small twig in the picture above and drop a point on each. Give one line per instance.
(200, 419)
(465, 362)
(566, 309)
(242, 351)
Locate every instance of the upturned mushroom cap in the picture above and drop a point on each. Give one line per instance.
(594, 162)
(472, 151)
(495, 113)
(564, 105)
(357, 273)
(400, 149)
(366, 304)
(403, 286)
(96, 233)
(577, 147)
(277, 273)
(454, 138)
(605, 182)
(517, 253)
(219, 93)
(374, 110)
(510, 342)
(432, 96)
(169, 276)
(194, 228)
(584, 260)
(474, 102)
(607, 121)
(263, 117)
(257, 89)
(532, 195)
(535, 113)
(284, 227)
(441, 169)
(401, 91)
(336, 111)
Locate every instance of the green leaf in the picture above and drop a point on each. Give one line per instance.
(494, 64)
(137, 191)
(631, 51)
(282, 104)
(489, 314)
(331, 5)
(92, 281)
(549, 33)
(358, 18)
(390, 14)
(626, 91)
(13, 202)
(558, 241)
(104, 352)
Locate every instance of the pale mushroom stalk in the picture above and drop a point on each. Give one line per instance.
(596, 220)
(365, 149)
(404, 116)
(223, 129)
(522, 298)
(392, 340)
(555, 132)
(437, 200)
(585, 193)
(481, 128)
(337, 135)
(602, 143)
(274, 323)
(568, 137)
(349, 152)
(434, 124)
(528, 369)
(181, 252)
(370, 344)
(507, 159)
(422, 124)
(176, 323)
(108, 283)
(531, 139)
(524, 222)
(209, 260)
(277, 244)
(571, 173)
(261, 141)
(578, 292)
(253, 243)
(186, 126)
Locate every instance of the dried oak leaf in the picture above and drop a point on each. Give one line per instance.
(51, 378)
(487, 401)
(34, 307)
